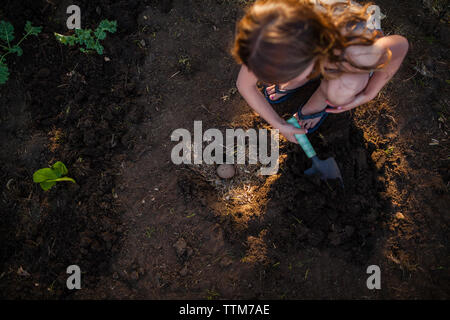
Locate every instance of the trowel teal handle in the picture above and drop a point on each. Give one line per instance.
(302, 139)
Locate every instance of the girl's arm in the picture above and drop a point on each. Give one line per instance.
(366, 56)
(246, 84)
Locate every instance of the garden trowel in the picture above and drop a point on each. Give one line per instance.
(328, 169)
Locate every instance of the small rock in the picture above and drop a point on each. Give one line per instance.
(184, 271)
(380, 163)
(22, 272)
(180, 246)
(189, 251)
(399, 216)
(379, 157)
(225, 262)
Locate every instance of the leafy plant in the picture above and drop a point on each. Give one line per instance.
(47, 177)
(7, 36)
(88, 38)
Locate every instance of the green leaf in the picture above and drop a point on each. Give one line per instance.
(61, 38)
(83, 35)
(47, 177)
(4, 73)
(99, 48)
(6, 31)
(44, 174)
(32, 30)
(100, 34)
(60, 169)
(16, 49)
(45, 185)
(107, 25)
(90, 44)
(71, 40)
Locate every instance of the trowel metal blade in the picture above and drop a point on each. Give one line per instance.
(311, 171)
(328, 169)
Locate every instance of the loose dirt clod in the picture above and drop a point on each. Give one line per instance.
(180, 247)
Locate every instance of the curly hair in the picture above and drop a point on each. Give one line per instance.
(278, 39)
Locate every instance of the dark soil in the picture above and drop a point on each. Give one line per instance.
(141, 227)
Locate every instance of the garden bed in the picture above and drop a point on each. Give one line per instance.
(141, 227)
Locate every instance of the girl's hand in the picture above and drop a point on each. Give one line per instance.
(288, 131)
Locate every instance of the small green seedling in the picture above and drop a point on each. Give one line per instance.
(88, 38)
(184, 63)
(47, 177)
(7, 36)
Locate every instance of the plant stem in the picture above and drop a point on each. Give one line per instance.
(3, 56)
(7, 40)
(23, 38)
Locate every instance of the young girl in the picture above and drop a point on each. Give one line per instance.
(286, 43)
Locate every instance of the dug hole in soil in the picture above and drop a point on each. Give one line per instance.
(140, 226)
